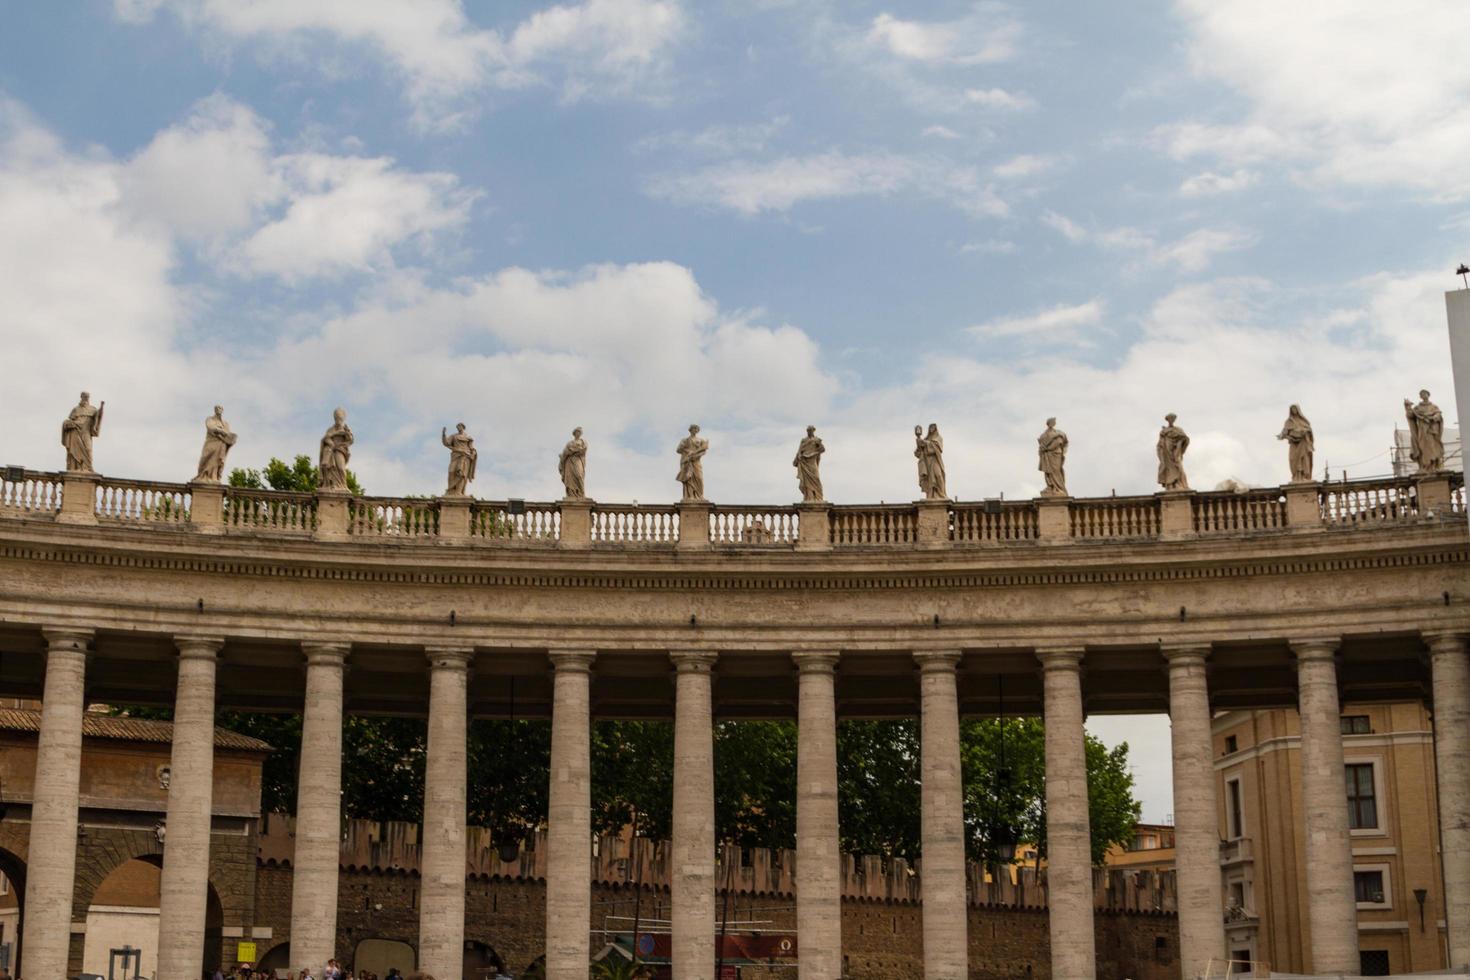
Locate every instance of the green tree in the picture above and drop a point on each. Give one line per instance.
(299, 476)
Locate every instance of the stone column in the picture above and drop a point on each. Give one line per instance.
(692, 890)
(1452, 764)
(569, 844)
(1332, 911)
(318, 810)
(184, 890)
(818, 860)
(1068, 836)
(52, 859)
(941, 819)
(1196, 818)
(442, 863)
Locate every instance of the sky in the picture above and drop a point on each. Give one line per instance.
(631, 215)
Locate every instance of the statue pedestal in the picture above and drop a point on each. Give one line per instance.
(814, 526)
(1176, 513)
(1434, 495)
(1054, 517)
(694, 525)
(207, 507)
(454, 516)
(576, 523)
(331, 515)
(933, 524)
(1303, 504)
(78, 498)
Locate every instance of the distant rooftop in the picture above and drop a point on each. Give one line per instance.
(97, 725)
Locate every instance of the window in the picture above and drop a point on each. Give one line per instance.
(1234, 825)
(1373, 962)
(1362, 805)
(1368, 887)
(1356, 725)
(1232, 744)
(1237, 895)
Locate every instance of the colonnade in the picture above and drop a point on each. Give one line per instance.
(1331, 919)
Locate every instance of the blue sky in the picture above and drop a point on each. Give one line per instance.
(635, 214)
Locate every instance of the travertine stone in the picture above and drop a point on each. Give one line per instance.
(1303, 505)
(929, 451)
(692, 888)
(207, 507)
(462, 458)
(183, 891)
(454, 517)
(1434, 494)
(691, 464)
(1196, 830)
(1176, 514)
(1297, 432)
(52, 861)
(814, 530)
(335, 453)
(1426, 433)
(818, 858)
(1170, 449)
(442, 861)
(1332, 915)
(1053, 519)
(941, 819)
(318, 809)
(82, 425)
(933, 524)
(331, 515)
(808, 464)
(1452, 763)
(78, 499)
(1051, 447)
(694, 525)
(1068, 837)
(572, 465)
(569, 843)
(217, 442)
(576, 524)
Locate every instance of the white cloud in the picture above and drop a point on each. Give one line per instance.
(723, 139)
(991, 246)
(1210, 184)
(980, 38)
(1024, 165)
(1069, 229)
(1192, 252)
(999, 98)
(940, 132)
(1059, 323)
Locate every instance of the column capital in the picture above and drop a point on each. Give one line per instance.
(1061, 657)
(449, 658)
(572, 661)
(937, 661)
(1185, 654)
(1314, 647)
(693, 661)
(325, 654)
(62, 638)
(193, 646)
(1446, 641)
(816, 661)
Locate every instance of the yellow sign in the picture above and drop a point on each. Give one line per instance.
(245, 952)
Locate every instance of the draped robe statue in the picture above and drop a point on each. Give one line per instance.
(1172, 444)
(691, 464)
(217, 442)
(1426, 433)
(462, 457)
(336, 451)
(572, 464)
(929, 451)
(808, 462)
(77, 432)
(1300, 445)
(1051, 447)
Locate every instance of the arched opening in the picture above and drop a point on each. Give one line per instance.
(381, 955)
(122, 922)
(278, 958)
(12, 909)
(481, 962)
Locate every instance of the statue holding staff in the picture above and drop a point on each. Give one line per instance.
(1426, 433)
(1297, 432)
(1051, 447)
(1172, 444)
(691, 464)
(462, 457)
(929, 451)
(217, 442)
(336, 451)
(82, 426)
(808, 462)
(572, 465)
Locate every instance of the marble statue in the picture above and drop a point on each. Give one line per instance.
(217, 442)
(1297, 432)
(1172, 444)
(1426, 433)
(1051, 447)
(929, 451)
(82, 426)
(336, 451)
(691, 464)
(572, 464)
(462, 457)
(808, 462)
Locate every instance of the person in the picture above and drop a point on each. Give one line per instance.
(332, 972)
(572, 464)
(219, 973)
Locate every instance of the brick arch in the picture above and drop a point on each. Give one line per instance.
(100, 853)
(15, 839)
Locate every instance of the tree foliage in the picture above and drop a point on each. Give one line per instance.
(298, 476)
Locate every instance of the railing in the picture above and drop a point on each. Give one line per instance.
(136, 502)
(34, 494)
(891, 524)
(633, 524)
(524, 523)
(1378, 502)
(753, 525)
(994, 521)
(1225, 512)
(269, 510)
(389, 517)
(1116, 517)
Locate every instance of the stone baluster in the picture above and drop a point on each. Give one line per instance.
(1068, 833)
(184, 890)
(52, 859)
(442, 864)
(1196, 819)
(1452, 767)
(1332, 911)
(692, 888)
(941, 819)
(569, 833)
(818, 860)
(318, 809)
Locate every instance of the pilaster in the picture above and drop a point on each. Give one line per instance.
(207, 507)
(1434, 495)
(1303, 504)
(331, 515)
(814, 526)
(933, 523)
(78, 503)
(576, 523)
(1053, 518)
(1176, 513)
(694, 525)
(454, 517)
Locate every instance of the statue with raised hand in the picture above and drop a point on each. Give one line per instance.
(462, 457)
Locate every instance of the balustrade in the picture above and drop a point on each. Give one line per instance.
(34, 494)
(269, 510)
(1116, 517)
(753, 525)
(995, 521)
(1225, 512)
(526, 523)
(136, 502)
(891, 524)
(1370, 502)
(632, 524)
(389, 517)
